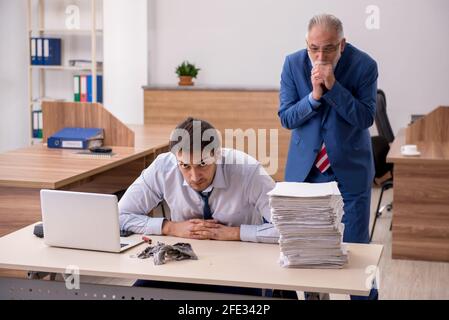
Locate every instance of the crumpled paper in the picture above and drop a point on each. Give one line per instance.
(161, 251)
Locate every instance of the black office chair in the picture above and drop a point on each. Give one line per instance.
(381, 146)
(381, 118)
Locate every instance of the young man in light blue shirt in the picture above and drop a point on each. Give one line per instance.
(212, 192)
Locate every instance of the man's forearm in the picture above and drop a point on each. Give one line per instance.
(359, 113)
(167, 228)
(234, 233)
(293, 116)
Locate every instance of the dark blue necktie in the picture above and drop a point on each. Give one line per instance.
(207, 213)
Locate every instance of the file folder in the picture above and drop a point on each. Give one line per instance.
(37, 123)
(76, 138)
(76, 88)
(35, 126)
(99, 88)
(83, 88)
(40, 125)
(39, 53)
(33, 50)
(51, 51)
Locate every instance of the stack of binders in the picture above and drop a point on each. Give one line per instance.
(82, 88)
(308, 218)
(45, 51)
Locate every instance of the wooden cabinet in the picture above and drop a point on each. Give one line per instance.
(252, 110)
(421, 190)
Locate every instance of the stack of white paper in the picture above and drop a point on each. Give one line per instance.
(308, 217)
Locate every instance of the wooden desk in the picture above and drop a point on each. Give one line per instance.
(151, 136)
(25, 171)
(421, 200)
(228, 263)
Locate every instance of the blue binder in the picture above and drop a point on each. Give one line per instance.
(36, 51)
(35, 126)
(99, 88)
(51, 51)
(76, 138)
(33, 51)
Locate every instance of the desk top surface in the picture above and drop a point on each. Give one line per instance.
(151, 136)
(431, 152)
(232, 263)
(41, 167)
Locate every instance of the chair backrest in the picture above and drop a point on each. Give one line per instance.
(381, 119)
(380, 151)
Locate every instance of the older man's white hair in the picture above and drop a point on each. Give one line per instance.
(328, 22)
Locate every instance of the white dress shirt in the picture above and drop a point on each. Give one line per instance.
(239, 197)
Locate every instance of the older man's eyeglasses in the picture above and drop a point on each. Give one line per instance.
(326, 49)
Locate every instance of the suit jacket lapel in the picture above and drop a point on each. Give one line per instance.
(343, 62)
(307, 71)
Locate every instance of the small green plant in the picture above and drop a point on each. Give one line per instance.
(187, 69)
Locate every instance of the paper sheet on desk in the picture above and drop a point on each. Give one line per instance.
(304, 190)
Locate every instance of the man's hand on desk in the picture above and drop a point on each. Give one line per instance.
(200, 229)
(219, 232)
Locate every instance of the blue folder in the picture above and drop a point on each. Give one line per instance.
(33, 51)
(51, 51)
(76, 138)
(36, 51)
(99, 88)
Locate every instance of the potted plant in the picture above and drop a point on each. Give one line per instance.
(186, 72)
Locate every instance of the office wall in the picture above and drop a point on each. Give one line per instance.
(14, 115)
(243, 43)
(237, 43)
(125, 58)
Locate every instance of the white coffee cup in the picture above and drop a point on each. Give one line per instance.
(409, 149)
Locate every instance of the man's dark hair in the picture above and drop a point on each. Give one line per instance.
(191, 129)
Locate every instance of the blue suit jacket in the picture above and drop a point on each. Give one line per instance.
(342, 120)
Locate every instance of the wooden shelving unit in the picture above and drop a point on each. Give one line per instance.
(41, 31)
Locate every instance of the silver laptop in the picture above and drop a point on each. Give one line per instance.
(83, 221)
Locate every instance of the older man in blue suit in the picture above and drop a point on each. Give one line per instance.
(328, 101)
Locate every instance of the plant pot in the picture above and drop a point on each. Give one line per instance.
(185, 81)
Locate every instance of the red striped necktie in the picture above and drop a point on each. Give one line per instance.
(322, 160)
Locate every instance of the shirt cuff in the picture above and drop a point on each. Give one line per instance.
(313, 103)
(154, 226)
(248, 233)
